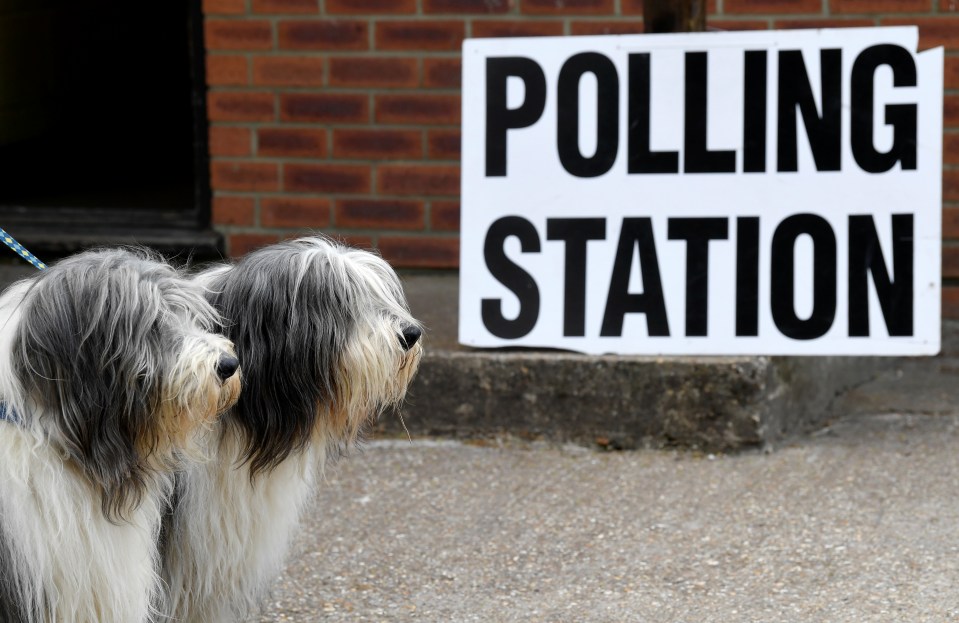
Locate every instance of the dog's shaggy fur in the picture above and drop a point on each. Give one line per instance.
(109, 372)
(327, 343)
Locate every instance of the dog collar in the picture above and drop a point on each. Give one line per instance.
(9, 414)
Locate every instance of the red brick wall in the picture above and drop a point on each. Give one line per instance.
(343, 115)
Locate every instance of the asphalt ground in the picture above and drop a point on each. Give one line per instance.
(857, 523)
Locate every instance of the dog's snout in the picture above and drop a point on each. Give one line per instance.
(411, 336)
(227, 366)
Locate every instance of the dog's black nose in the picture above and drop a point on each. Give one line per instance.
(226, 367)
(411, 336)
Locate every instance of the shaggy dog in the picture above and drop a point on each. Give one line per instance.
(327, 343)
(108, 372)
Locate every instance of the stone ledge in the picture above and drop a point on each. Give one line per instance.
(713, 404)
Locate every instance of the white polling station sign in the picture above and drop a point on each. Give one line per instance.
(773, 192)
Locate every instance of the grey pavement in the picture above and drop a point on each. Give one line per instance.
(857, 523)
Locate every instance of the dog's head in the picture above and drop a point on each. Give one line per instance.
(114, 354)
(326, 340)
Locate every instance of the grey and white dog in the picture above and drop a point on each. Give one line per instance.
(109, 372)
(327, 343)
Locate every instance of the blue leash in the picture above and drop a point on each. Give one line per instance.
(21, 251)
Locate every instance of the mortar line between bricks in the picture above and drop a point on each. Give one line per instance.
(415, 164)
(369, 196)
(288, 230)
(338, 90)
(417, 233)
(256, 212)
(332, 130)
(427, 219)
(838, 18)
(333, 211)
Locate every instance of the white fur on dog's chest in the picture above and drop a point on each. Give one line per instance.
(239, 526)
(62, 539)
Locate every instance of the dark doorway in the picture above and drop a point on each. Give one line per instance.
(102, 123)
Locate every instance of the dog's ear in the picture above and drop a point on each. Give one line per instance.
(288, 324)
(87, 353)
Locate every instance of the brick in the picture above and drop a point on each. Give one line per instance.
(374, 72)
(240, 106)
(950, 185)
(429, 180)
(445, 215)
(950, 302)
(950, 223)
(468, 6)
(356, 241)
(635, 7)
(325, 107)
(229, 210)
(378, 144)
(289, 71)
(222, 70)
(567, 7)
(950, 111)
(241, 244)
(380, 214)
(418, 109)
(772, 7)
(950, 261)
(238, 35)
(328, 34)
(294, 212)
(243, 175)
(950, 148)
(327, 178)
(512, 28)
(283, 7)
(444, 144)
(442, 73)
(607, 27)
(371, 7)
(230, 141)
(291, 142)
(880, 6)
(933, 31)
(224, 7)
(419, 35)
(420, 252)
(738, 24)
(822, 22)
(951, 71)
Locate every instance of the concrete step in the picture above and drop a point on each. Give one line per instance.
(710, 403)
